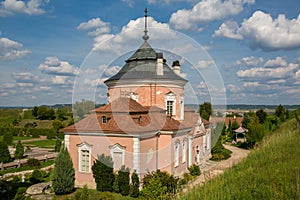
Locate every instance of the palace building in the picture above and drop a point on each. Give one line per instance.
(145, 125)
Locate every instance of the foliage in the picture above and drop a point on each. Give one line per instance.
(4, 153)
(34, 111)
(57, 145)
(255, 133)
(32, 162)
(82, 194)
(82, 108)
(262, 115)
(63, 178)
(8, 138)
(103, 173)
(246, 119)
(219, 152)
(123, 180)
(45, 113)
(194, 170)
(36, 176)
(19, 150)
(280, 112)
(159, 185)
(271, 171)
(205, 110)
(135, 185)
(57, 124)
(20, 195)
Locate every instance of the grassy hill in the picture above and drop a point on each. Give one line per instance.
(272, 171)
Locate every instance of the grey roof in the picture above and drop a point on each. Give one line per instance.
(142, 65)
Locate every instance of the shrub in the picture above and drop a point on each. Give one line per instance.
(63, 174)
(32, 162)
(135, 185)
(82, 194)
(19, 150)
(4, 153)
(20, 195)
(106, 196)
(194, 170)
(103, 173)
(123, 181)
(36, 176)
(57, 145)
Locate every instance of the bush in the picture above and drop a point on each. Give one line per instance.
(82, 194)
(20, 195)
(123, 181)
(194, 170)
(4, 153)
(32, 162)
(106, 196)
(135, 185)
(186, 178)
(36, 176)
(19, 150)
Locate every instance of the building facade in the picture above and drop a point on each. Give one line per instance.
(144, 126)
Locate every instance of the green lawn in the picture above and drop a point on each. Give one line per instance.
(17, 138)
(272, 171)
(41, 143)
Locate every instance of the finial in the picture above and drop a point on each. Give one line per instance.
(146, 37)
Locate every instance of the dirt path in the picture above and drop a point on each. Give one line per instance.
(212, 169)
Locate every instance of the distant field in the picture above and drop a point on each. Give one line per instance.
(41, 143)
(40, 123)
(272, 171)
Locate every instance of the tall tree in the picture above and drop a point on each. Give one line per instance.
(57, 124)
(262, 115)
(123, 180)
(135, 185)
(8, 137)
(4, 153)
(35, 111)
(19, 150)
(256, 131)
(82, 108)
(205, 110)
(63, 178)
(280, 112)
(103, 173)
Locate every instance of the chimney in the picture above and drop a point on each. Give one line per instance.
(176, 67)
(159, 64)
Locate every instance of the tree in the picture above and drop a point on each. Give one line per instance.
(103, 173)
(19, 150)
(262, 115)
(82, 108)
(35, 111)
(4, 153)
(135, 185)
(246, 119)
(205, 110)
(256, 131)
(57, 145)
(280, 112)
(8, 137)
(123, 181)
(63, 178)
(57, 124)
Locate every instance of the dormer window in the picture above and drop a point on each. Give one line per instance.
(104, 119)
(170, 99)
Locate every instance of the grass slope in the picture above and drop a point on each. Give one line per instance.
(272, 171)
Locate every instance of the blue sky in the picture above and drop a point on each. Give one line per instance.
(56, 51)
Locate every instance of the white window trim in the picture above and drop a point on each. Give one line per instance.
(184, 150)
(181, 107)
(117, 148)
(171, 97)
(81, 147)
(176, 153)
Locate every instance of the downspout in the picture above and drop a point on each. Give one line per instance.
(157, 136)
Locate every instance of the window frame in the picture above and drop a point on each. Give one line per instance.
(84, 147)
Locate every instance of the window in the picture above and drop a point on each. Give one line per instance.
(170, 107)
(176, 154)
(84, 151)
(104, 119)
(117, 153)
(184, 151)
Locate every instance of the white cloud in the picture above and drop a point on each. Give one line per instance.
(277, 81)
(206, 11)
(53, 65)
(60, 80)
(202, 64)
(228, 29)
(112, 70)
(261, 31)
(129, 2)
(251, 84)
(25, 77)
(11, 50)
(31, 7)
(249, 61)
(277, 62)
(263, 72)
(96, 23)
(297, 74)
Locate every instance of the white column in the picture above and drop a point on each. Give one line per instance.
(67, 141)
(136, 155)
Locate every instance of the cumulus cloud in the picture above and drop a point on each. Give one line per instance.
(99, 26)
(53, 65)
(277, 62)
(206, 11)
(249, 61)
(31, 7)
(11, 50)
(26, 77)
(202, 64)
(264, 72)
(261, 31)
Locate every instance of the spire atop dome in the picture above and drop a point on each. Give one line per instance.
(146, 37)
